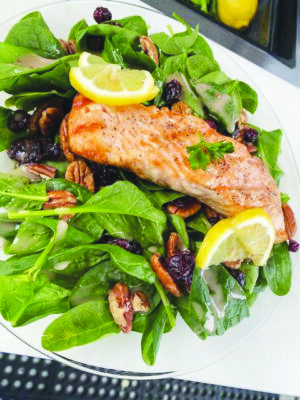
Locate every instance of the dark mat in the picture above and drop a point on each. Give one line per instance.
(29, 378)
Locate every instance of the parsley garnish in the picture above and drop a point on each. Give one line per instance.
(203, 153)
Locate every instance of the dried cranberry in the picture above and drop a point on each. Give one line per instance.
(26, 151)
(130, 245)
(51, 150)
(249, 135)
(211, 123)
(95, 43)
(293, 246)
(172, 92)
(183, 201)
(102, 14)
(181, 267)
(18, 121)
(238, 275)
(104, 175)
(213, 220)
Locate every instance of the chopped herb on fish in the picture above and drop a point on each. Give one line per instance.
(204, 153)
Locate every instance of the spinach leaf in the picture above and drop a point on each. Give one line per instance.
(119, 198)
(23, 300)
(16, 193)
(30, 100)
(199, 223)
(199, 65)
(31, 238)
(202, 48)
(8, 230)
(216, 302)
(81, 325)
(260, 286)
(248, 97)
(61, 167)
(284, 198)
(112, 54)
(251, 273)
(17, 265)
(10, 54)
(131, 56)
(7, 137)
(179, 225)
(134, 23)
(177, 43)
(80, 25)
(50, 299)
(81, 193)
(32, 32)
(48, 78)
(160, 197)
(222, 101)
(268, 150)
(89, 224)
(79, 259)
(278, 271)
(105, 30)
(153, 331)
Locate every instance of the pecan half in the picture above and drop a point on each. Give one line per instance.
(149, 48)
(184, 207)
(172, 245)
(181, 108)
(60, 198)
(80, 173)
(63, 139)
(69, 47)
(41, 170)
(120, 306)
(232, 264)
(140, 302)
(243, 119)
(164, 276)
(47, 118)
(289, 220)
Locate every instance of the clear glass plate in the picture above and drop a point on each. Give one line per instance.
(180, 351)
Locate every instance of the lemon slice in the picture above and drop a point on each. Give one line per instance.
(109, 84)
(250, 234)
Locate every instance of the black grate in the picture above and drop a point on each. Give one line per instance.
(29, 378)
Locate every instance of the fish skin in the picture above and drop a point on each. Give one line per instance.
(152, 143)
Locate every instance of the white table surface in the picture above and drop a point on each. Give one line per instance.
(270, 359)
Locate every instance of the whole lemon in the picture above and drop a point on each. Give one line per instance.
(237, 13)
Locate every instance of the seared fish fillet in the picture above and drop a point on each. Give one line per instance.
(152, 143)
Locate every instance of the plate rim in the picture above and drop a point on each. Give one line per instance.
(112, 373)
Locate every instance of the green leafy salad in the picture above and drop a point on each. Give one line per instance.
(81, 246)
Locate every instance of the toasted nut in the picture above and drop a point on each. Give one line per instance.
(120, 306)
(69, 47)
(47, 118)
(232, 264)
(80, 173)
(289, 220)
(243, 119)
(172, 245)
(41, 170)
(184, 207)
(50, 120)
(63, 139)
(149, 48)
(140, 302)
(60, 198)
(251, 148)
(181, 108)
(164, 276)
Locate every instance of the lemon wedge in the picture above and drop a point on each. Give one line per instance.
(109, 84)
(237, 13)
(250, 234)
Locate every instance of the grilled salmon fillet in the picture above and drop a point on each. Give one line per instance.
(152, 143)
